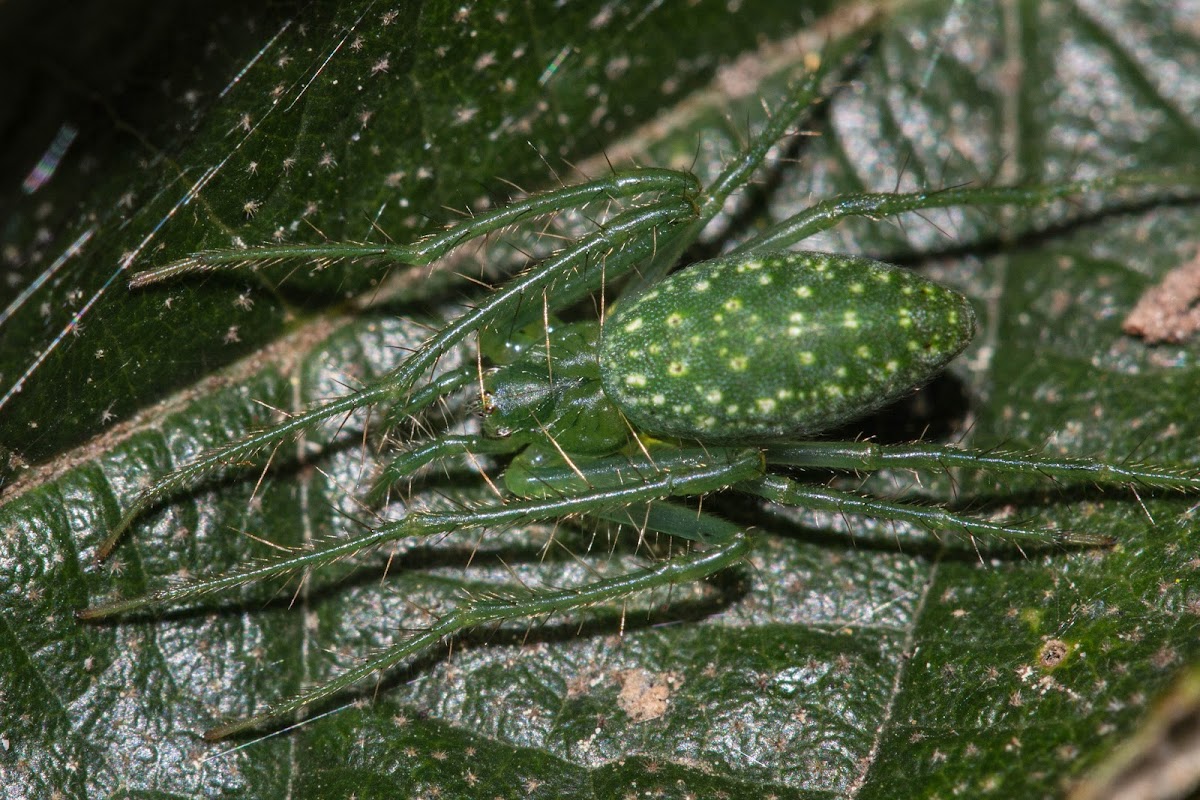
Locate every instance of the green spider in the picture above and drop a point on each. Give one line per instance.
(703, 378)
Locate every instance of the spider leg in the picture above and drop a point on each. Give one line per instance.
(792, 111)
(473, 612)
(425, 453)
(425, 251)
(674, 519)
(678, 473)
(237, 451)
(828, 213)
(868, 456)
(782, 490)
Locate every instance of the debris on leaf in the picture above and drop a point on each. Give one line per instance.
(1168, 311)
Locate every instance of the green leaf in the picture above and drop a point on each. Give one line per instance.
(883, 665)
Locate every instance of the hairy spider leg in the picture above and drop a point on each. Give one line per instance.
(434, 450)
(679, 472)
(868, 456)
(826, 214)
(425, 251)
(733, 547)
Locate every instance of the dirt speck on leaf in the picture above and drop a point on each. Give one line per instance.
(1053, 653)
(1169, 310)
(644, 696)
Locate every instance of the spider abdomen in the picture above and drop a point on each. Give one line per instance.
(777, 346)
